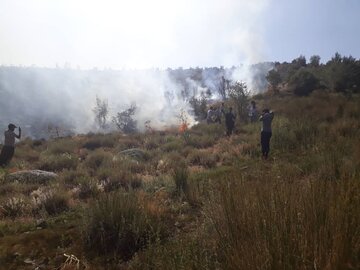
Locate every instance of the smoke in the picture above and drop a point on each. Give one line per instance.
(134, 34)
(40, 99)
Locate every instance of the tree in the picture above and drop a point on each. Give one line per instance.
(303, 82)
(238, 94)
(299, 62)
(274, 79)
(223, 86)
(101, 111)
(124, 120)
(199, 105)
(314, 61)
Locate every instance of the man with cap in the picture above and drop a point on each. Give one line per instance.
(8, 149)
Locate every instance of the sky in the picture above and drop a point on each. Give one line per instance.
(172, 33)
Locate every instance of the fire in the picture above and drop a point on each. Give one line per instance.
(183, 127)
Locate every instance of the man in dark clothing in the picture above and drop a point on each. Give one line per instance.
(229, 122)
(266, 132)
(8, 149)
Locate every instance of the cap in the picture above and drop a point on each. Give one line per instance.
(12, 126)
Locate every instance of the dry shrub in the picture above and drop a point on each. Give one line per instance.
(117, 179)
(61, 146)
(128, 142)
(58, 162)
(180, 177)
(202, 158)
(52, 201)
(88, 188)
(275, 224)
(189, 252)
(72, 178)
(174, 145)
(27, 153)
(100, 140)
(97, 159)
(13, 207)
(117, 224)
(207, 140)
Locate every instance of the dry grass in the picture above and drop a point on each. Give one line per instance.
(201, 202)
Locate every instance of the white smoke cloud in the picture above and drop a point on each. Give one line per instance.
(117, 34)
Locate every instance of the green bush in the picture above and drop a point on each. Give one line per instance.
(303, 82)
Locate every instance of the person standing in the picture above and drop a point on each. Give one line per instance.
(229, 122)
(210, 115)
(252, 111)
(266, 132)
(8, 149)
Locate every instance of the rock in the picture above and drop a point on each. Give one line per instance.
(31, 177)
(29, 261)
(41, 223)
(135, 153)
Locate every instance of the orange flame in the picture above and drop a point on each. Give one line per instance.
(183, 127)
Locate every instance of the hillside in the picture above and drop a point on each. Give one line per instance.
(193, 200)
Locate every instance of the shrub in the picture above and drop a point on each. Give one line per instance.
(202, 158)
(88, 188)
(117, 224)
(180, 177)
(98, 159)
(286, 225)
(58, 162)
(61, 146)
(189, 252)
(175, 145)
(204, 141)
(53, 202)
(100, 140)
(73, 177)
(113, 179)
(13, 207)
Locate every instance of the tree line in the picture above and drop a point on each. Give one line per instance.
(301, 77)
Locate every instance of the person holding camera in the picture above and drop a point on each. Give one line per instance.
(8, 149)
(266, 132)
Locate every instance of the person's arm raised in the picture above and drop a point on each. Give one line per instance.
(18, 136)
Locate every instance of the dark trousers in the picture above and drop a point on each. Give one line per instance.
(6, 155)
(229, 129)
(265, 143)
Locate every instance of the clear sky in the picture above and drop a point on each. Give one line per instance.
(173, 33)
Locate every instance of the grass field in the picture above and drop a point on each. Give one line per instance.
(200, 201)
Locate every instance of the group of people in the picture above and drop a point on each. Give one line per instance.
(266, 117)
(213, 116)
